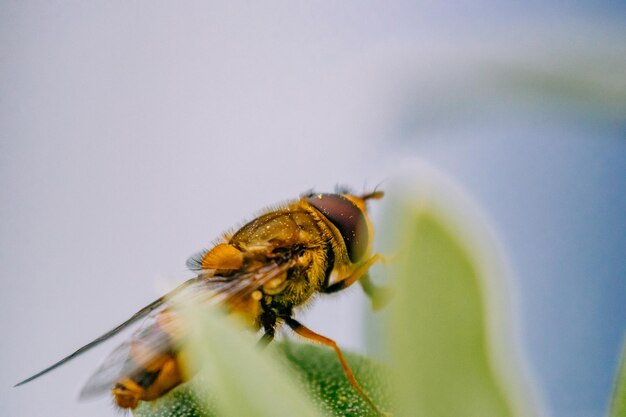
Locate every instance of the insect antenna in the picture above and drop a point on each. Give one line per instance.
(375, 194)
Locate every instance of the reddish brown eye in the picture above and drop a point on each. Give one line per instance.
(347, 218)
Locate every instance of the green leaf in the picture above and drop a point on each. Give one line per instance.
(316, 370)
(449, 325)
(618, 403)
(323, 377)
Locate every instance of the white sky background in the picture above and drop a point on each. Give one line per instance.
(132, 135)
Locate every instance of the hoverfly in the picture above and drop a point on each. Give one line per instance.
(320, 243)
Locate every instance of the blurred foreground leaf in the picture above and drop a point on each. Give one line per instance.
(297, 379)
(596, 93)
(618, 403)
(443, 338)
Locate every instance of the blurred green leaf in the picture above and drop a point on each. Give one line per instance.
(441, 343)
(286, 379)
(618, 403)
(594, 93)
(242, 380)
(558, 80)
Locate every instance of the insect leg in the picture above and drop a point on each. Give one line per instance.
(265, 340)
(359, 272)
(307, 333)
(268, 321)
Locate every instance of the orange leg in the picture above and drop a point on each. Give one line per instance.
(354, 277)
(379, 296)
(311, 335)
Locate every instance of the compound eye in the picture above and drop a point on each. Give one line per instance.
(347, 218)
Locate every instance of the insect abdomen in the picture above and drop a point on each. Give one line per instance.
(147, 385)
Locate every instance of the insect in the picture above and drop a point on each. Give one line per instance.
(319, 243)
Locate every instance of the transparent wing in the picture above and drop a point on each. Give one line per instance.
(108, 372)
(242, 285)
(152, 342)
(133, 319)
(146, 346)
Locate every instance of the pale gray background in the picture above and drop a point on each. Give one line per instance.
(133, 134)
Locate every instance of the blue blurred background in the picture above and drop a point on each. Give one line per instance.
(133, 134)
